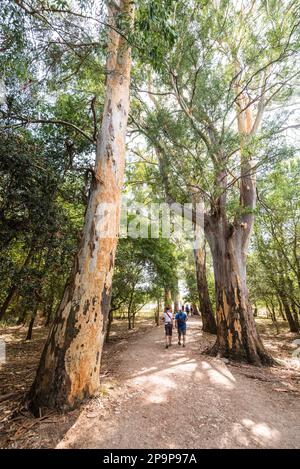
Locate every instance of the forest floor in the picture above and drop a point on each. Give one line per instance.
(151, 397)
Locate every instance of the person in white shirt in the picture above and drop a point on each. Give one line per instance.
(168, 320)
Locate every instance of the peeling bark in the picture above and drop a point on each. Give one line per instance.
(70, 364)
(237, 336)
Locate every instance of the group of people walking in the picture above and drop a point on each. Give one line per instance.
(181, 318)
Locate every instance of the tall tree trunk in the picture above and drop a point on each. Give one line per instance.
(11, 294)
(168, 297)
(292, 301)
(70, 364)
(17, 306)
(129, 319)
(207, 315)
(273, 316)
(208, 319)
(288, 314)
(49, 307)
(31, 323)
(295, 314)
(129, 310)
(237, 337)
(281, 308)
(109, 323)
(157, 312)
(176, 300)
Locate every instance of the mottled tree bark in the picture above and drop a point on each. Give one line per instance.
(237, 336)
(70, 364)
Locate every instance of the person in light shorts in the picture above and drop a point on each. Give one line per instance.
(168, 321)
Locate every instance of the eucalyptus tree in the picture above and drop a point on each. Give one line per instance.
(67, 44)
(230, 64)
(69, 367)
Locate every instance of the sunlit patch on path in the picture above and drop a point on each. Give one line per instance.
(181, 398)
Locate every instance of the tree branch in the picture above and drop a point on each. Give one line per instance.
(93, 103)
(29, 120)
(187, 112)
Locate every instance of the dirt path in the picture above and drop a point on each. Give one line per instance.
(178, 398)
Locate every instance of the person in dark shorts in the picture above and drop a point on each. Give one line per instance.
(168, 321)
(180, 323)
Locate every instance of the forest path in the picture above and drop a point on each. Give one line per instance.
(178, 398)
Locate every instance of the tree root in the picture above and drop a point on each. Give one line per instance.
(259, 359)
